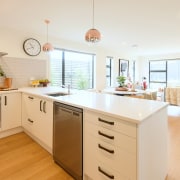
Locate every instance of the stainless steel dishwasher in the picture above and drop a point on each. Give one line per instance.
(67, 138)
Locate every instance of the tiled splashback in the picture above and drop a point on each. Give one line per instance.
(22, 70)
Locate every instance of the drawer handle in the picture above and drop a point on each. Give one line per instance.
(40, 106)
(44, 106)
(104, 121)
(30, 97)
(105, 149)
(31, 121)
(105, 135)
(105, 173)
(5, 100)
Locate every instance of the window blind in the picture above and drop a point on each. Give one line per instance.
(74, 68)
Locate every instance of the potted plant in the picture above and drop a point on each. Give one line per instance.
(2, 72)
(2, 77)
(121, 81)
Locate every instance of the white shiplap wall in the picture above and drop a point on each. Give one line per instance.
(22, 70)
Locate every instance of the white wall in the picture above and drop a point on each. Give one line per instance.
(12, 43)
(142, 68)
(162, 56)
(22, 70)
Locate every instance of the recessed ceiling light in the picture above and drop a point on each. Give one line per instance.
(134, 46)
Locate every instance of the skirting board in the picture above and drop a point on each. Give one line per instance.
(10, 132)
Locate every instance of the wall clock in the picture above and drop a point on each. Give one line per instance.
(32, 47)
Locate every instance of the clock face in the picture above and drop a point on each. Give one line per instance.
(32, 47)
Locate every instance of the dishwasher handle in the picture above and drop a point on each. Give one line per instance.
(66, 110)
(74, 113)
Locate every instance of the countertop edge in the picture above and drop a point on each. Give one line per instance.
(136, 121)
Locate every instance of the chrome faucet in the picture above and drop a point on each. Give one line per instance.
(68, 86)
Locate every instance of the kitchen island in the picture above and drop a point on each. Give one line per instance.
(134, 110)
(124, 138)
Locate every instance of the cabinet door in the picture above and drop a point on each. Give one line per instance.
(37, 118)
(30, 112)
(11, 110)
(44, 123)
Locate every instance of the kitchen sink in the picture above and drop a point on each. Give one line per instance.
(57, 94)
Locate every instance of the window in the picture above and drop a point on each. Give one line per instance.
(157, 74)
(71, 67)
(164, 73)
(108, 71)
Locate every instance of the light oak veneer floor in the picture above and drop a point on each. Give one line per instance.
(174, 142)
(23, 159)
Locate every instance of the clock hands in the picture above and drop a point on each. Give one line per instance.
(32, 47)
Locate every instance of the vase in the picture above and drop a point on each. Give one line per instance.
(7, 82)
(121, 89)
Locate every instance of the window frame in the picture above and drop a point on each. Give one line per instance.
(63, 64)
(158, 71)
(110, 71)
(165, 71)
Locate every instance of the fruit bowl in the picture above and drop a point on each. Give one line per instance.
(44, 82)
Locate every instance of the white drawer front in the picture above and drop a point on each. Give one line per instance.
(101, 171)
(28, 124)
(108, 122)
(120, 140)
(118, 159)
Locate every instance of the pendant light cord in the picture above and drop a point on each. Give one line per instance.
(93, 35)
(47, 32)
(93, 14)
(47, 22)
(47, 46)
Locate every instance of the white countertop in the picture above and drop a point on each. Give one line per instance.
(130, 109)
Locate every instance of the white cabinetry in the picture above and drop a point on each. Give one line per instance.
(37, 118)
(10, 110)
(109, 148)
(117, 149)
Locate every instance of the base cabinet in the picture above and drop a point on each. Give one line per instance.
(10, 110)
(122, 150)
(37, 118)
(109, 148)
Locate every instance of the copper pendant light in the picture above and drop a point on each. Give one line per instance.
(93, 35)
(47, 46)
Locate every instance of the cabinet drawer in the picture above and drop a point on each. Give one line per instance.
(111, 123)
(117, 158)
(30, 105)
(114, 138)
(101, 171)
(28, 124)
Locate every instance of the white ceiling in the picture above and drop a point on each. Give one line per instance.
(151, 25)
